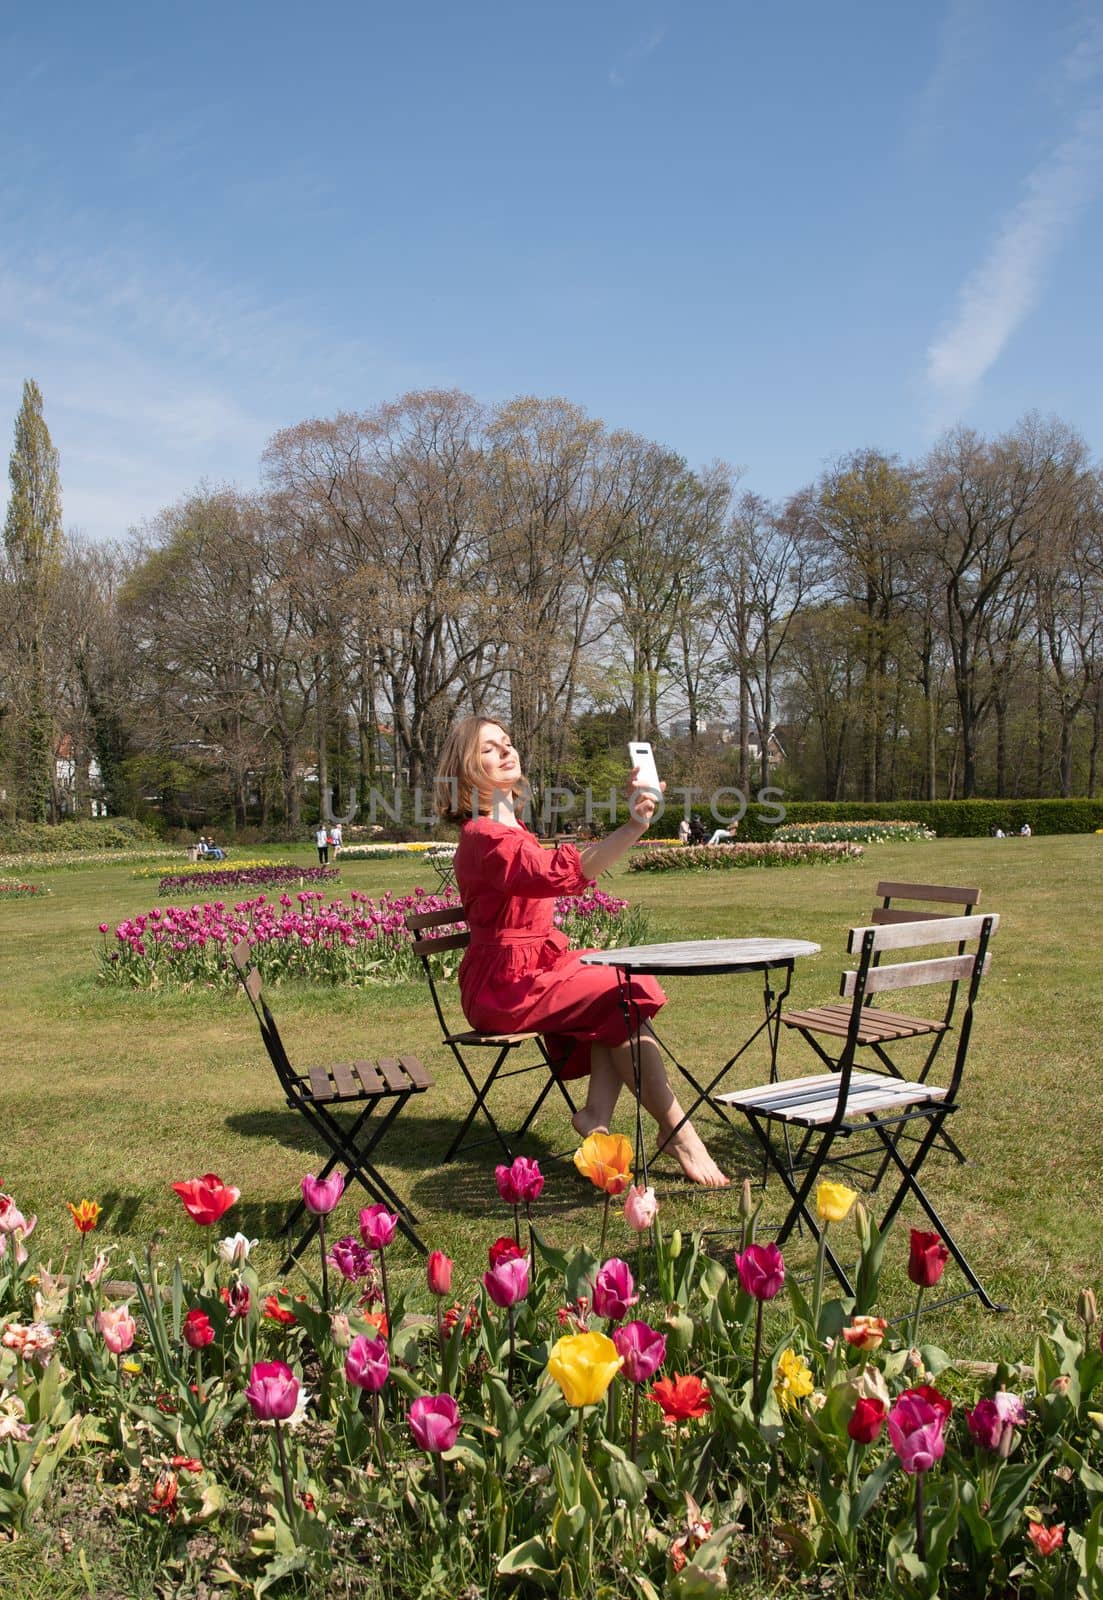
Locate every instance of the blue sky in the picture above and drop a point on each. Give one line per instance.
(765, 232)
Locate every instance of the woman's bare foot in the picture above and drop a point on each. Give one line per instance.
(688, 1150)
(584, 1123)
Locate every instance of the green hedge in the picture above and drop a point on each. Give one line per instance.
(110, 833)
(957, 819)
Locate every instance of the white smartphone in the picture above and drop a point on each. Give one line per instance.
(643, 757)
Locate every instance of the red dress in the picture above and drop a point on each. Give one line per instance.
(517, 975)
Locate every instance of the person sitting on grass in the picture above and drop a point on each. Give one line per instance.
(518, 974)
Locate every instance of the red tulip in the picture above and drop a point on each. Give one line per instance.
(867, 1421)
(439, 1272)
(277, 1313)
(504, 1249)
(681, 1398)
(207, 1199)
(198, 1332)
(1046, 1540)
(927, 1259)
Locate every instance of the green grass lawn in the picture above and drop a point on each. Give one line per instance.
(113, 1095)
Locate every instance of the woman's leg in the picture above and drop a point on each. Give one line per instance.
(610, 1069)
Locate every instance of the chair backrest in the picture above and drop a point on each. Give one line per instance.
(869, 942)
(942, 894)
(426, 947)
(251, 983)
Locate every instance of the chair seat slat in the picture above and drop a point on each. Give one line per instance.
(416, 1072)
(347, 1087)
(369, 1077)
(394, 1075)
(320, 1086)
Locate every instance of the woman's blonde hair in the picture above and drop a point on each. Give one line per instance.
(456, 788)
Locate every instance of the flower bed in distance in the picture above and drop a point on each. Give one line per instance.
(13, 889)
(723, 857)
(255, 877)
(361, 941)
(852, 833)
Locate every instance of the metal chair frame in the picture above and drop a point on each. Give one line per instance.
(384, 1087)
(841, 1103)
(503, 1044)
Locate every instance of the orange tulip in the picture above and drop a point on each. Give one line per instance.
(85, 1216)
(606, 1159)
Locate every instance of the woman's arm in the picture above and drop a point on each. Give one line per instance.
(597, 858)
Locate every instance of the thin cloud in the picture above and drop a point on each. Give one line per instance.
(996, 298)
(961, 39)
(623, 68)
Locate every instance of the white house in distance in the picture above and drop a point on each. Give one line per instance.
(65, 782)
(728, 733)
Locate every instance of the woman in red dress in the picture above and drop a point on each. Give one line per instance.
(517, 975)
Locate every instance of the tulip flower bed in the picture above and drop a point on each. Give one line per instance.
(723, 857)
(247, 877)
(199, 869)
(634, 1422)
(852, 833)
(361, 941)
(14, 889)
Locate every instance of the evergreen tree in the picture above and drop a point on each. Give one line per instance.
(33, 541)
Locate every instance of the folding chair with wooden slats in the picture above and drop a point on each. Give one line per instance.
(378, 1090)
(881, 1028)
(826, 1107)
(470, 1041)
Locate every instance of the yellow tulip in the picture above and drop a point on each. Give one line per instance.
(833, 1201)
(584, 1365)
(606, 1159)
(793, 1379)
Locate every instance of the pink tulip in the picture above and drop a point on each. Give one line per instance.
(439, 1272)
(508, 1282)
(377, 1226)
(117, 1327)
(992, 1422)
(367, 1363)
(434, 1422)
(613, 1288)
(320, 1195)
(643, 1349)
(521, 1183)
(915, 1430)
(273, 1391)
(640, 1208)
(761, 1269)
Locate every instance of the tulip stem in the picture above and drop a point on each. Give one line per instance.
(517, 1226)
(440, 1348)
(913, 1341)
(281, 1451)
(635, 1420)
(920, 1530)
(442, 1487)
(512, 1348)
(757, 1353)
(604, 1227)
(817, 1284)
(386, 1296)
(578, 1459)
(377, 1429)
(325, 1267)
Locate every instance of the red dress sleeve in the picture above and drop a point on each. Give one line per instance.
(515, 862)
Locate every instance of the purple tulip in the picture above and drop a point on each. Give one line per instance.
(377, 1226)
(613, 1288)
(367, 1363)
(273, 1391)
(643, 1350)
(434, 1422)
(320, 1195)
(915, 1430)
(508, 1282)
(992, 1422)
(761, 1269)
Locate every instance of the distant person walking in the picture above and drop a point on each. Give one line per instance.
(336, 839)
(321, 839)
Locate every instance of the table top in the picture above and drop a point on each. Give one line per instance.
(704, 956)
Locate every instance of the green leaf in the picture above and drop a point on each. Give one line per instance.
(532, 1557)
